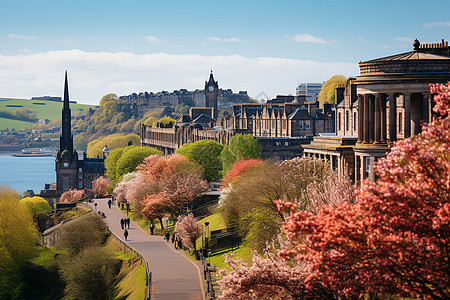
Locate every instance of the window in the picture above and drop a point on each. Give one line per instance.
(400, 123)
(355, 126)
(339, 121)
(347, 117)
(277, 144)
(368, 164)
(307, 124)
(301, 124)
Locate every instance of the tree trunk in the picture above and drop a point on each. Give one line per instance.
(161, 221)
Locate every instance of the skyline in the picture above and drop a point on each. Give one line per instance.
(137, 46)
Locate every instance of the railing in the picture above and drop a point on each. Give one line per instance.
(209, 275)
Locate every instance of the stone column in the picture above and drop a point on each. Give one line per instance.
(360, 118)
(377, 123)
(371, 118)
(407, 118)
(366, 118)
(392, 117)
(383, 118)
(425, 108)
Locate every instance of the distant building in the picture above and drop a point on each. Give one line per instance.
(47, 98)
(388, 101)
(310, 90)
(71, 171)
(281, 126)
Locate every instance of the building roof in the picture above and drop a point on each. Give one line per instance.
(203, 119)
(411, 55)
(300, 114)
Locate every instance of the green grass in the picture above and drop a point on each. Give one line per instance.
(16, 124)
(50, 110)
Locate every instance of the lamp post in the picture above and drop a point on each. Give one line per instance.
(206, 241)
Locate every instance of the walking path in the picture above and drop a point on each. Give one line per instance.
(174, 276)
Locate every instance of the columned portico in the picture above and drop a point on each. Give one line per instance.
(392, 117)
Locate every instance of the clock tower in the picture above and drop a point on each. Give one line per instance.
(212, 93)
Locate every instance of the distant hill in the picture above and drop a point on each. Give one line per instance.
(43, 109)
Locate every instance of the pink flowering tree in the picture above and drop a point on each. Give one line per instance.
(395, 239)
(100, 186)
(189, 229)
(71, 196)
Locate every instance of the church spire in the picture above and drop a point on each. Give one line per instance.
(66, 139)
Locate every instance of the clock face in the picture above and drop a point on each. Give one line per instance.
(211, 88)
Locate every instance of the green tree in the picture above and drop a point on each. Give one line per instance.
(239, 147)
(132, 157)
(111, 163)
(80, 143)
(166, 121)
(113, 141)
(328, 92)
(206, 153)
(18, 237)
(36, 204)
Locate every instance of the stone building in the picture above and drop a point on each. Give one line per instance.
(281, 126)
(388, 101)
(71, 171)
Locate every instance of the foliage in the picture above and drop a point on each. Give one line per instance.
(239, 147)
(111, 163)
(189, 229)
(18, 237)
(91, 275)
(395, 238)
(36, 204)
(164, 122)
(100, 186)
(248, 202)
(120, 192)
(205, 153)
(80, 143)
(132, 157)
(175, 178)
(328, 92)
(113, 141)
(71, 196)
(238, 169)
(81, 233)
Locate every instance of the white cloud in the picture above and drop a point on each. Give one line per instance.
(436, 24)
(307, 38)
(23, 37)
(217, 39)
(153, 39)
(94, 74)
(403, 39)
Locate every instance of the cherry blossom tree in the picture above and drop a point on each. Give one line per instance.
(188, 228)
(120, 192)
(71, 196)
(100, 186)
(238, 169)
(395, 239)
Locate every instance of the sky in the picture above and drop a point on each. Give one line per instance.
(263, 47)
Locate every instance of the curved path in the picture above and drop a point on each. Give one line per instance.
(174, 276)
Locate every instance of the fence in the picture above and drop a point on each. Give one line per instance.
(209, 275)
(51, 235)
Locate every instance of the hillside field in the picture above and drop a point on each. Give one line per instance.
(43, 109)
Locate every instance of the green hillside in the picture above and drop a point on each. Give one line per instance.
(43, 109)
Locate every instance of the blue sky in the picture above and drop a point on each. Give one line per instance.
(132, 46)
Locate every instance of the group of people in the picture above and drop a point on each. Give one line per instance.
(177, 241)
(125, 223)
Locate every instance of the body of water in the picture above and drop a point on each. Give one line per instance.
(27, 173)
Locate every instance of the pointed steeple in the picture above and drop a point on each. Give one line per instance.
(211, 78)
(66, 139)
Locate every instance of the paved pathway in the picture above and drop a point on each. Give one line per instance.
(174, 276)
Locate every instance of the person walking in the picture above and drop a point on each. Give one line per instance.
(128, 222)
(109, 203)
(125, 234)
(122, 222)
(152, 227)
(167, 236)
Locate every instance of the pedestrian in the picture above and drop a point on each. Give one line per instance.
(180, 243)
(152, 227)
(173, 238)
(95, 206)
(125, 234)
(167, 236)
(122, 222)
(128, 222)
(109, 203)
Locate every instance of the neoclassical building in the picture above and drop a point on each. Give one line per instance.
(388, 101)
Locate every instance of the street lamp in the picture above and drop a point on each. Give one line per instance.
(206, 242)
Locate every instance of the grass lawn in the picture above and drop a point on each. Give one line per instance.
(44, 110)
(16, 124)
